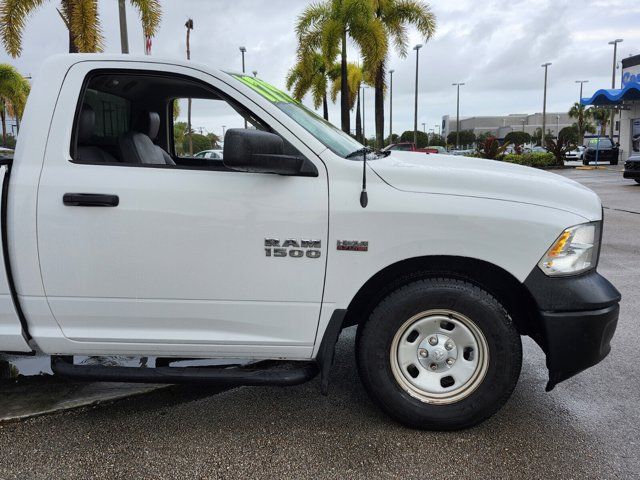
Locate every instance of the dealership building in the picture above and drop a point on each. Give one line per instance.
(499, 126)
(626, 101)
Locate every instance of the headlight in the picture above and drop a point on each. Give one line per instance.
(575, 251)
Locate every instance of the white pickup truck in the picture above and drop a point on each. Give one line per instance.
(117, 240)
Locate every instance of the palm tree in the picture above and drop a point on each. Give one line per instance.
(581, 114)
(14, 89)
(601, 116)
(311, 74)
(356, 76)
(327, 27)
(395, 16)
(79, 16)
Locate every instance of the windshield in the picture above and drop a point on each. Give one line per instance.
(604, 143)
(333, 138)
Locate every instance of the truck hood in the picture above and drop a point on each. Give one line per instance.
(477, 177)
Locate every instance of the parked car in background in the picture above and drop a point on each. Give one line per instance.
(6, 153)
(577, 154)
(632, 168)
(212, 154)
(411, 147)
(607, 151)
(539, 149)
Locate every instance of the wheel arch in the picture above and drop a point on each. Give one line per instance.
(510, 292)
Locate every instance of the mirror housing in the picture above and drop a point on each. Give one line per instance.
(255, 151)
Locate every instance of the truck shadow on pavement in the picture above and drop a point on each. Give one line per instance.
(297, 433)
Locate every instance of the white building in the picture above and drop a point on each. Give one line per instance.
(627, 101)
(499, 126)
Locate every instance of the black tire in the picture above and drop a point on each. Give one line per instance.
(585, 161)
(614, 162)
(375, 338)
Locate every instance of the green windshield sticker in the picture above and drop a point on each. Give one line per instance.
(269, 92)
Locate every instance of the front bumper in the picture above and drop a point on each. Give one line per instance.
(632, 168)
(578, 316)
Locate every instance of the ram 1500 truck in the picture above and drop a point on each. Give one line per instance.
(118, 241)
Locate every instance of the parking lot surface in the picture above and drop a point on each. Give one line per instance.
(586, 428)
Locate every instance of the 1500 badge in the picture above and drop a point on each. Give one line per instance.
(292, 247)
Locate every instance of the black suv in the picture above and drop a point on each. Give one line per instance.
(607, 151)
(632, 167)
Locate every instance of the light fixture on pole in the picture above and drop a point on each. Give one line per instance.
(544, 102)
(391, 107)
(557, 126)
(415, 112)
(581, 82)
(458, 85)
(255, 73)
(613, 78)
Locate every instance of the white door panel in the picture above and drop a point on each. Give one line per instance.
(181, 260)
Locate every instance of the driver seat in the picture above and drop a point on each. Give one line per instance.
(136, 146)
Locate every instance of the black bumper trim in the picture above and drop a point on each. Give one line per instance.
(578, 316)
(576, 341)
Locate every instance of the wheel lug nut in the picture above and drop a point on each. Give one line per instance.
(450, 361)
(423, 353)
(433, 366)
(433, 340)
(448, 346)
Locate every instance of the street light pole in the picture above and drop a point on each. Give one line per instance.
(391, 107)
(415, 112)
(557, 126)
(364, 136)
(124, 36)
(544, 102)
(243, 51)
(581, 82)
(458, 85)
(424, 127)
(613, 78)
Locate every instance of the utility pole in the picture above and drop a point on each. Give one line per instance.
(124, 37)
(581, 82)
(415, 111)
(391, 108)
(544, 103)
(189, 26)
(243, 50)
(613, 79)
(458, 85)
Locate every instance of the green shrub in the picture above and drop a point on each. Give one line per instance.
(537, 160)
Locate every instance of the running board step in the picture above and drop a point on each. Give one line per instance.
(236, 376)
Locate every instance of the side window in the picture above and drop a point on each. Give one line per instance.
(155, 119)
(202, 134)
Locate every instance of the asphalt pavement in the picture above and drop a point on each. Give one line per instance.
(586, 428)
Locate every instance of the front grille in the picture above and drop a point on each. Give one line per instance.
(632, 165)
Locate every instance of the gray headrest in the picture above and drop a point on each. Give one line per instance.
(86, 124)
(149, 124)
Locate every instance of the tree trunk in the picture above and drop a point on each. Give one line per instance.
(325, 107)
(4, 126)
(345, 121)
(72, 44)
(379, 107)
(359, 120)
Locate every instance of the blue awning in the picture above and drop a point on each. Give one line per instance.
(631, 91)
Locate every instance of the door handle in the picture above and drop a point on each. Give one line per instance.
(90, 200)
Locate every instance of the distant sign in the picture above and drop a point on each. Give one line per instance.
(630, 75)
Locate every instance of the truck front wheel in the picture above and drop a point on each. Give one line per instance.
(439, 354)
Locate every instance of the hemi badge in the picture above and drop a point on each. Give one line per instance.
(353, 246)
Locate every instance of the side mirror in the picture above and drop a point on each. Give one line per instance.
(256, 151)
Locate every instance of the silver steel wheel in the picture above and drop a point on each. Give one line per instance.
(439, 356)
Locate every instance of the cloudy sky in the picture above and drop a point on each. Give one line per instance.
(494, 46)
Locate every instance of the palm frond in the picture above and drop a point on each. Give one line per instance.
(85, 26)
(14, 88)
(150, 15)
(13, 17)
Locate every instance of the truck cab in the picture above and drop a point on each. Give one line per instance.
(119, 240)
